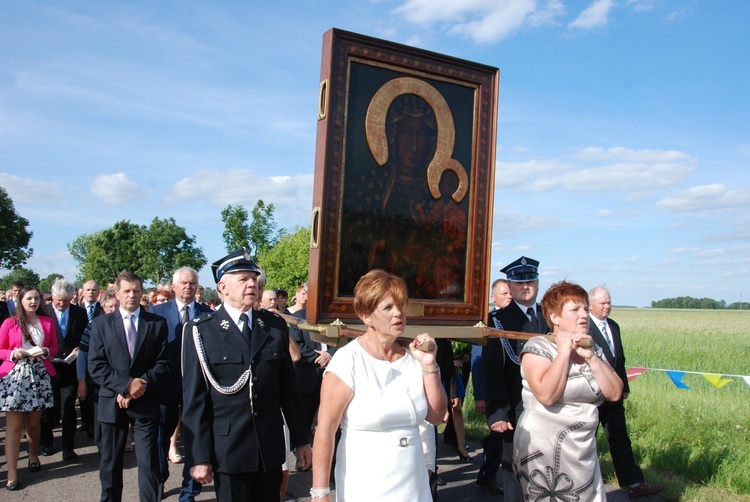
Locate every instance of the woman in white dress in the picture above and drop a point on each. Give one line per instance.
(379, 393)
(554, 445)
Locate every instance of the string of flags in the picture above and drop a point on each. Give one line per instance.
(717, 380)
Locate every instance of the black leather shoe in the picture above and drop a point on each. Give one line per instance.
(490, 485)
(12, 486)
(643, 490)
(69, 455)
(46, 451)
(34, 466)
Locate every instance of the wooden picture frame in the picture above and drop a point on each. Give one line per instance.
(404, 176)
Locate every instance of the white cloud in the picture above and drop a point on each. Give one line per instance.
(513, 174)
(632, 259)
(27, 190)
(594, 16)
(635, 173)
(623, 154)
(631, 177)
(640, 5)
(507, 222)
(604, 213)
(679, 250)
(242, 186)
(711, 198)
(483, 21)
(117, 189)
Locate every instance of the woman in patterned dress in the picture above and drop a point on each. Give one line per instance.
(25, 385)
(563, 383)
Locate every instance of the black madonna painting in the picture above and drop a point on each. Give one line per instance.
(405, 207)
(405, 181)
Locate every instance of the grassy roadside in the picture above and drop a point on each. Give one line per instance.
(694, 442)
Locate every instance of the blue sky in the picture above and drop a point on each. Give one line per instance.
(623, 131)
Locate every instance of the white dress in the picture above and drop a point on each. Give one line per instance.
(380, 457)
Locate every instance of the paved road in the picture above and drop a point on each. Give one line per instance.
(79, 480)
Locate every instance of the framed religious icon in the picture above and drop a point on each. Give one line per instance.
(404, 174)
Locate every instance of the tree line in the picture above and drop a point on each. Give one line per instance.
(154, 251)
(688, 302)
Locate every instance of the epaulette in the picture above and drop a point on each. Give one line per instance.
(268, 312)
(203, 317)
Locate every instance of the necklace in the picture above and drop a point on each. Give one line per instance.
(374, 352)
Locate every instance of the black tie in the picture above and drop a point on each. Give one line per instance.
(185, 314)
(245, 327)
(532, 315)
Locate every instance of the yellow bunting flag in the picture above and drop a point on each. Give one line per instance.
(717, 381)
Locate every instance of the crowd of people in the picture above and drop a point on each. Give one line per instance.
(242, 386)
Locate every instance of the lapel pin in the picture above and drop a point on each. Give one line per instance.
(224, 325)
(261, 324)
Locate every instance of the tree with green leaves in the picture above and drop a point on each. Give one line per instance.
(152, 252)
(45, 285)
(164, 247)
(286, 264)
(23, 275)
(104, 254)
(263, 233)
(236, 229)
(14, 244)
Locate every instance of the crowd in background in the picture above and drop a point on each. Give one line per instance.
(516, 384)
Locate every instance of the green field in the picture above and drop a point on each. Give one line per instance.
(694, 442)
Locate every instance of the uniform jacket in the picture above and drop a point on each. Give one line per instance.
(11, 338)
(170, 391)
(502, 376)
(616, 360)
(111, 367)
(77, 322)
(223, 429)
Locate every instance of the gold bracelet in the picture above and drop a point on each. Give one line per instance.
(431, 372)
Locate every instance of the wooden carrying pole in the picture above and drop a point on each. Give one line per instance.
(336, 333)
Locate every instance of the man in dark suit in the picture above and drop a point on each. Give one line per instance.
(4, 312)
(502, 372)
(492, 445)
(237, 380)
(86, 387)
(309, 369)
(177, 312)
(606, 334)
(128, 359)
(14, 289)
(90, 393)
(70, 323)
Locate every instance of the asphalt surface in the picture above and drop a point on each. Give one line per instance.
(79, 480)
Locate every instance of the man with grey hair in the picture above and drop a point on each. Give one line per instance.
(606, 334)
(70, 323)
(177, 312)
